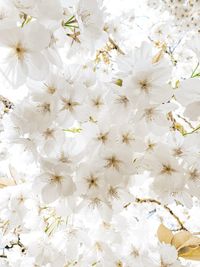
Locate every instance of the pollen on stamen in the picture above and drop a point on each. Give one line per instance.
(167, 169)
(194, 175)
(56, 178)
(20, 51)
(113, 192)
(149, 113)
(144, 85)
(122, 99)
(94, 202)
(45, 107)
(92, 181)
(97, 102)
(113, 162)
(49, 133)
(103, 137)
(127, 138)
(50, 89)
(69, 104)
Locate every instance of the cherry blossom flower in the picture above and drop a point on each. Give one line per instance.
(23, 54)
(99, 141)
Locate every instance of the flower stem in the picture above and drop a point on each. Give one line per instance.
(193, 131)
(193, 73)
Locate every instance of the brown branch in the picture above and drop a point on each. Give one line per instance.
(3, 256)
(18, 243)
(115, 46)
(149, 200)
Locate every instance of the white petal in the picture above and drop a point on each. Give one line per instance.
(53, 56)
(67, 186)
(37, 37)
(50, 9)
(38, 66)
(15, 72)
(50, 193)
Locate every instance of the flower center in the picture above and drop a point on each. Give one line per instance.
(194, 175)
(122, 99)
(19, 51)
(56, 178)
(167, 169)
(144, 85)
(103, 137)
(113, 162)
(92, 181)
(49, 133)
(69, 104)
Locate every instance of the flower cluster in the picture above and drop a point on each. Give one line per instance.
(100, 123)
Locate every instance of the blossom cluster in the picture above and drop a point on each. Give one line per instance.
(100, 123)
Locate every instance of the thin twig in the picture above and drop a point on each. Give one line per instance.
(18, 243)
(149, 200)
(186, 121)
(193, 73)
(193, 131)
(116, 46)
(3, 256)
(176, 45)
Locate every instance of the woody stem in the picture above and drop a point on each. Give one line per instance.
(149, 200)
